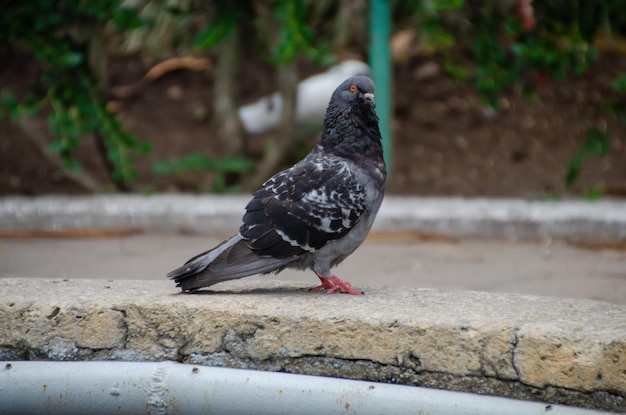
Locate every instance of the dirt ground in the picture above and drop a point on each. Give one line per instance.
(446, 142)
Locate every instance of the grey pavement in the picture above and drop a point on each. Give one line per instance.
(497, 245)
(540, 268)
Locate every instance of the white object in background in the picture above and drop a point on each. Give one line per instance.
(313, 94)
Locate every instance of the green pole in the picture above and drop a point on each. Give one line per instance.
(380, 63)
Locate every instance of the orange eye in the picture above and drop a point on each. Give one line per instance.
(353, 88)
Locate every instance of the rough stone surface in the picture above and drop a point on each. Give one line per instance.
(541, 348)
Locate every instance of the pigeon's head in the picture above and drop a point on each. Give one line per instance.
(351, 124)
(357, 91)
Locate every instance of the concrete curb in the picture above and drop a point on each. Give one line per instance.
(500, 218)
(556, 350)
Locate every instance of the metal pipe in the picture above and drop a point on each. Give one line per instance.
(94, 388)
(380, 63)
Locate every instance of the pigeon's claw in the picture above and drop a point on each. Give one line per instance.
(333, 284)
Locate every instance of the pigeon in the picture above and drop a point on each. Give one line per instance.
(264, 114)
(314, 214)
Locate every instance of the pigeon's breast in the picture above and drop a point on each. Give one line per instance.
(372, 188)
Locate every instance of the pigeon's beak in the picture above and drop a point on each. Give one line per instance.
(369, 98)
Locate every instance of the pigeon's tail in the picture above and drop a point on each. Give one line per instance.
(230, 260)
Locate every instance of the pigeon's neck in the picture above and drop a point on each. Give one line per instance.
(352, 134)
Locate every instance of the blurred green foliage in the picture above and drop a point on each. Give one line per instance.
(510, 48)
(296, 36)
(197, 162)
(513, 46)
(59, 33)
(520, 44)
(596, 145)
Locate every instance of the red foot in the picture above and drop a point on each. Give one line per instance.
(332, 284)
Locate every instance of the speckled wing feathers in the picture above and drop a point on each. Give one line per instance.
(299, 210)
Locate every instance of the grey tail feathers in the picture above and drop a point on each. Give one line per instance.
(229, 260)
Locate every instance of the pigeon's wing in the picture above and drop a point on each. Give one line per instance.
(303, 208)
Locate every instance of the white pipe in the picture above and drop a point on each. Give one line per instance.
(95, 388)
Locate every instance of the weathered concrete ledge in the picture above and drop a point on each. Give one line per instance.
(550, 349)
(501, 218)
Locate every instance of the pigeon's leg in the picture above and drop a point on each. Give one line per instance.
(332, 283)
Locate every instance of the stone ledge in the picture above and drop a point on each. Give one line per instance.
(551, 349)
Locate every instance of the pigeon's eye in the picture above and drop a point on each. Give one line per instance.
(353, 88)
